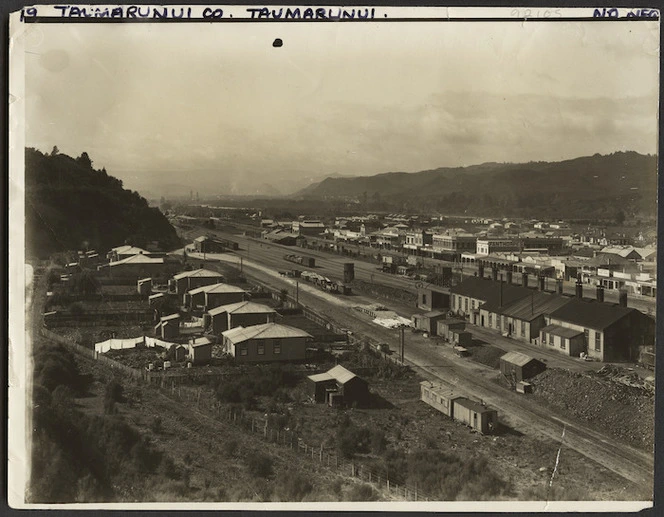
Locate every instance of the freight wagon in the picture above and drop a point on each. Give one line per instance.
(299, 259)
(474, 414)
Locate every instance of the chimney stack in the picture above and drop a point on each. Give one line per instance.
(559, 285)
(542, 283)
(579, 288)
(600, 293)
(524, 279)
(480, 270)
(509, 277)
(494, 273)
(622, 298)
(501, 294)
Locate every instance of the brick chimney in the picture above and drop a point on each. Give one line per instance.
(524, 279)
(600, 293)
(622, 298)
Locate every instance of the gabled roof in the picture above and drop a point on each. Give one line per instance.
(264, 331)
(245, 307)
(200, 273)
(137, 259)
(341, 374)
(517, 358)
(529, 307)
(217, 288)
(321, 377)
(140, 281)
(128, 249)
(591, 314)
(170, 317)
(489, 291)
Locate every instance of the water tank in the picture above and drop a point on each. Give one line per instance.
(349, 272)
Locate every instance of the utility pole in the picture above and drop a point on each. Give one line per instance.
(297, 292)
(402, 331)
(240, 264)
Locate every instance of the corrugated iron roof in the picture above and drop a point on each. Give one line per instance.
(321, 377)
(591, 314)
(201, 273)
(516, 358)
(341, 374)
(217, 288)
(530, 307)
(557, 330)
(245, 307)
(489, 291)
(264, 331)
(137, 259)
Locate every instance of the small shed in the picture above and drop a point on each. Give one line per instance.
(338, 382)
(179, 353)
(200, 350)
(144, 286)
(431, 298)
(428, 322)
(444, 326)
(168, 326)
(476, 415)
(518, 367)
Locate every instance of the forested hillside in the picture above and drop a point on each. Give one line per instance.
(71, 205)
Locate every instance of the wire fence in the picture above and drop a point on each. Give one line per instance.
(290, 439)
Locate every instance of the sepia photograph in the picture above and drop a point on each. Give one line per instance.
(388, 258)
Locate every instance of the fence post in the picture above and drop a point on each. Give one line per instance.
(388, 484)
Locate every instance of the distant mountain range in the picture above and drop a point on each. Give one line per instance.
(69, 205)
(592, 186)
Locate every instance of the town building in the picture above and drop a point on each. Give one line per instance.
(126, 251)
(338, 386)
(490, 245)
(269, 342)
(238, 314)
(310, 227)
(444, 327)
(134, 267)
(456, 242)
(200, 350)
(144, 286)
(205, 244)
(431, 298)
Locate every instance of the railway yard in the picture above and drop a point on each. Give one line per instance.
(544, 416)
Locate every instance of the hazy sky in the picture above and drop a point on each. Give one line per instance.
(218, 105)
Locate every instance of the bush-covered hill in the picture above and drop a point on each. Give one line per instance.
(71, 205)
(592, 186)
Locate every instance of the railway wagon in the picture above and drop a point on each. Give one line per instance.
(299, 259)
(474, 414)
(481, 418)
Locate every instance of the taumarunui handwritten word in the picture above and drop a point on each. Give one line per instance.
(310, 14)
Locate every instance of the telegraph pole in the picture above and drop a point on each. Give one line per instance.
(402, 331)
(297, 292)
